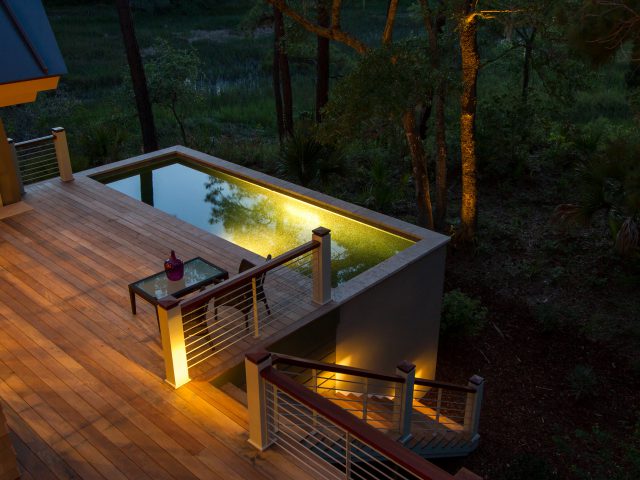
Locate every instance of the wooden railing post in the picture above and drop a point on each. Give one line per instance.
(254, 363)
(321, 266)
(408, 372)
(62, 153)
(173, 348)
(473, 407)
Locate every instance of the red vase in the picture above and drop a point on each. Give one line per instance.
(173, 267)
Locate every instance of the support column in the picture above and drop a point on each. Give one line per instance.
(173, 348)
(407, 371)
(62, 153)
(321, 266)
(254, 363)
(9, 180)
(473, 407)
(14, 156)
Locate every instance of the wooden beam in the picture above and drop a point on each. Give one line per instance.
(9, 184)
(26, 91)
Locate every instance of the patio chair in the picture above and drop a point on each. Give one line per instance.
(242, 297)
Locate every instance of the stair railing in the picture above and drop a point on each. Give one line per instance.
(416, 406)
(321, 434)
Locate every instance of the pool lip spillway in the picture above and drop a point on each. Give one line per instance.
(425, 240)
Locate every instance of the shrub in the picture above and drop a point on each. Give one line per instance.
(306, 160)
(529, 467)
(461, 315)
(582, 382)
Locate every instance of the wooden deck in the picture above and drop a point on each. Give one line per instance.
(81, 378)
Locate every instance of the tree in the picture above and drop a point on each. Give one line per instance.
(605, 27)
(468, 25)
(173, 75)
(434, 24)
(138, 78)
(408, 116)
(322, 61)
(282, 79)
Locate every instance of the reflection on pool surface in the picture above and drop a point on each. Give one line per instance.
(254, 217)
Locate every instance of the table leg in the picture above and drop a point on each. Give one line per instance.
(132, 299)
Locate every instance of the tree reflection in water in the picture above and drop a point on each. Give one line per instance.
(268, 222)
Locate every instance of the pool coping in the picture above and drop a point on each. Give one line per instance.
(426, 240)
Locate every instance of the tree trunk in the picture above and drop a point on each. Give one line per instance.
(419, 167)
(526, 70)
(285, 74)
(441, 159)
(277, 87)
(322, 62)
(435, 25)
(425, 114)
(138, 78)
(468, 101)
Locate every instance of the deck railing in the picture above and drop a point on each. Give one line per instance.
(321, 434)
(249, 305)
(43, 158)
(400, 405)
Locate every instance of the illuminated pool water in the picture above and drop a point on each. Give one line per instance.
(254, 217)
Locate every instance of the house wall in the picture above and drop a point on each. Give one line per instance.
(396, 319)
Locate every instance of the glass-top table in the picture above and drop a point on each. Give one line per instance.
(198, 273)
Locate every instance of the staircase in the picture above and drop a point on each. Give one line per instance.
(432, 419)
(429, 439)
(350, 423)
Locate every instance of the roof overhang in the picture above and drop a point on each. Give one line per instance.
(31, 59)
(25, 91)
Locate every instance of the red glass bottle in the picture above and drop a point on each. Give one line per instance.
(173, 267)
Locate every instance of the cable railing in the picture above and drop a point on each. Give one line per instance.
(369, 396)
(43, 158)
(246, 308)
(428, 412)
(256, 303)
(438, 409)
(320, 433)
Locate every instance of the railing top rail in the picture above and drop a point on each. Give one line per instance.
(362, 431)
(332, 367)
(444, 385)
(34, 141)
(246, 276)
(360, 372)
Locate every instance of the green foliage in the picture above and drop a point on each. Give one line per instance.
(582, 382)
(103, 142)
(610, 182)
(461, 315)
(608, 457)
(175, 82)
(382, 190)
(306, 160)
(529, 467)
(509, 131)
(372, 97)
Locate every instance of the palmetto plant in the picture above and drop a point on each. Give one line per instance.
(306, 160)
(610, 182)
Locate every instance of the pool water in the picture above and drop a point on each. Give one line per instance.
(254, 217)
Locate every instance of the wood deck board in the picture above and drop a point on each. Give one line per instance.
(81, 378)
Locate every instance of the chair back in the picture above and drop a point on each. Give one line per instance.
(246, 265)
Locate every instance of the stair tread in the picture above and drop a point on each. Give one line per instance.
(235, 392)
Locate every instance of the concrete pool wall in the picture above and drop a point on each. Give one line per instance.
(388, 313)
